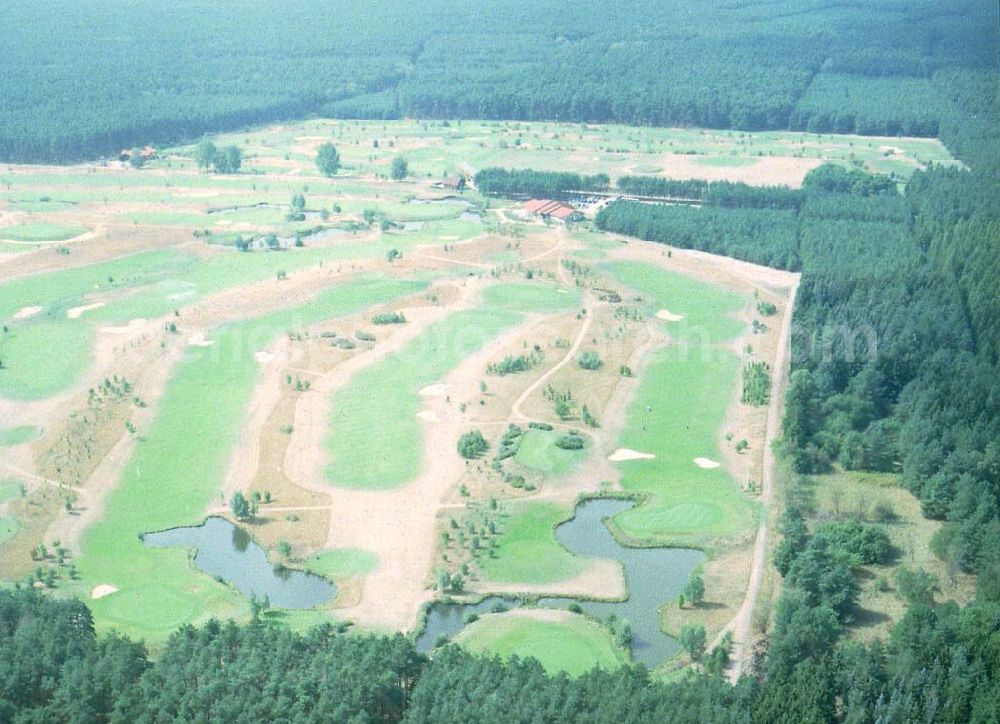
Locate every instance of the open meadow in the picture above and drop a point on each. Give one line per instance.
(396, 389)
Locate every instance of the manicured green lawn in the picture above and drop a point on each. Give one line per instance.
(175, 472)
(676, 414)
(42, 358)
(342, 563)
(40, 232)
(375, 439)
(574, 644)
(538, 451)
(10, 436)
(527, 551)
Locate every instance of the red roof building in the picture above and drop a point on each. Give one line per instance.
(547, 208)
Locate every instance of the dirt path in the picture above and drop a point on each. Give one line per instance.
(741, 624)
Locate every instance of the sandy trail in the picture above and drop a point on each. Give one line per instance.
(400, 524)
(740, 625)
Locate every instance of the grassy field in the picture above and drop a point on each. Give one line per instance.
(40, 233)
(8, 527)
(43, 358)
(676, 414)
(531, 297)
(10, 490)
(527, 551)
(176, 470)
(10, 436)
(375, 438)
(341, 563)
(571, 643)
(538, 451)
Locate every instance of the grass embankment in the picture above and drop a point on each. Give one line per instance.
(560, 641)
(10, 436)
(175, 472)
(339, 563)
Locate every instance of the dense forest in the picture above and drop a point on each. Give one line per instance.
(157, 71)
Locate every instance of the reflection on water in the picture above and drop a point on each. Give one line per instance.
(228, 552)
(653, 576)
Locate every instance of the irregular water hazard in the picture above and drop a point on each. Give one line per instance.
(652, 576)
(227, 552)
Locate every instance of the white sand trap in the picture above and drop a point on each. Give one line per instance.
(669, 316)
(130, 327)
(562, 291)
(428, 416)
(76, 312)
(263, 357)
(623, 453)
(438, 390)
(449, 238)
(102, 590)
(25, 312)
(199, 340)
(706, 463)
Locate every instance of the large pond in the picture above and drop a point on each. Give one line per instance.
(653, 576)
(227, 552)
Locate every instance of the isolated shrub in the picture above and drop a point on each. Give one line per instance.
(240, 506)
(364, 336)
(694, 591)
(389, 318)
(589, 360)
(865, 544)
(693, 640)
(472, 445)
(570, 442)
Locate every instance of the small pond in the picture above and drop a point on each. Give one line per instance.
(227, 552)
(653, 576)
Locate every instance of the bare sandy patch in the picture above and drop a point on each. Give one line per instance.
(669, 316)
(263, 357)
(199, 340)
(623, 453)
(27, 312)
(132, 326)
(104, 589)
(428, 416)
(439, 389)
(77, 312)
(706, 463)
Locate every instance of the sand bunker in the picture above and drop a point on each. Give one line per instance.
(102, 590)
(623, 453)
(449, 238)
(669, 316)
(706, 463)
(263, 357)
(76, 312)
(25, 312)
(199, 340)
(438, 390)
(429, 416)
(130, 327)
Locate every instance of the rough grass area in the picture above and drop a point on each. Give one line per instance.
(174, 473)
(40, 233)
(10, 436)
(538, 451)
(10, 490)
(843, 496)
(341, 563)
(375, 438)
(8, 527)
(527, 551)
(570, 643)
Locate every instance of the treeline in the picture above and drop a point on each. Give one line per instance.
(528, 182)
(70, 93)
(713, 193)
(761, 236)
(939, 665)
